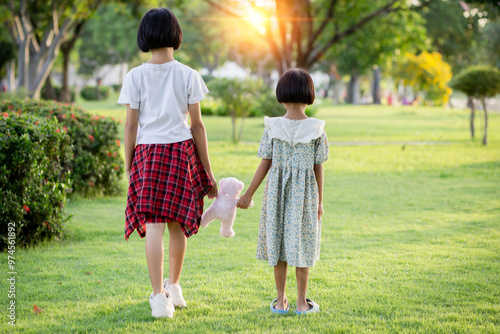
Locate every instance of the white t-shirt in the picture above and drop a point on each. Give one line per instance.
(162, 93)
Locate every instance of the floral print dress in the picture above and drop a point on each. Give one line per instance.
(289, 228)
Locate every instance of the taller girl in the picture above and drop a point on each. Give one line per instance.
(166, 159)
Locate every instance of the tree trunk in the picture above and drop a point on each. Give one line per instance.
(376, 85)
(49, 91)
(233, 119)
(23, 64)
(470, 104)
(353, 89)
(11, 76)
(66, 48)
(485, 137)
(98, 89)
(241, 128)
(65, 91)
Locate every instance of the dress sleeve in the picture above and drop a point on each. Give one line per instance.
(130, 93)
(265, 147)
(321, 149)
(196, 88)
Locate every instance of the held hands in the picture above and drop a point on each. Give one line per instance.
(244, 202)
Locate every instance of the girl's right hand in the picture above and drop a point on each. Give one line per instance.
(244, 202)
(213, 192)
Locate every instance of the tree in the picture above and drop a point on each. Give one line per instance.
(491, 36)
(39, 30)
(427, 73)
(478, 82)
(299, 33)
(456, 27)
(374, 45)
(108, 38)
(237, 97)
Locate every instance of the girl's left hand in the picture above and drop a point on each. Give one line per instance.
(244, 202)
(320, 211)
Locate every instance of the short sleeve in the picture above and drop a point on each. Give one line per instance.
(321, 149)
(130, 93)
(265, 147)
(196, 88)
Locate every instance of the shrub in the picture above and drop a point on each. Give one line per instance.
(268, 105)
(116, 87)
(478, 81)
(96, 166)
(89, 93)
(207, 111)
(427, 73)
(311, 110)
(58, 92)
(34, 178)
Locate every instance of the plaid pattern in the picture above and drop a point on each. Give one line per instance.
(167, 184)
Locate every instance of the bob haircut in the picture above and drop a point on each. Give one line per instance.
(159, 28)
(295, 86)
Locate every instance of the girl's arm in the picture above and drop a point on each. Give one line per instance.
(200, 138)
(260, 174)
(130, 137)
(318, 171)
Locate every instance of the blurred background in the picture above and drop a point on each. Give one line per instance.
(359, 52)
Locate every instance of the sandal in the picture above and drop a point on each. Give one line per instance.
(285, 311)
(314, 308)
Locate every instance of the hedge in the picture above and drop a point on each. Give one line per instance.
(89, 93)
(96, 166)
(35, 157)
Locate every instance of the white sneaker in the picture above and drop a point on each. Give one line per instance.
(161, 305)
(176, 293)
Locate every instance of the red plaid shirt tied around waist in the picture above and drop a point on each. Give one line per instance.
(167, 184)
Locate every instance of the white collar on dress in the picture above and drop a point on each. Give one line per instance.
(294, 131)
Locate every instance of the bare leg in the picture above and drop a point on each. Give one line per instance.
(302, 275)
(154, 255)
(280, 278)
(176, 250)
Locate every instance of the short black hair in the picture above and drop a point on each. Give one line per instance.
(295, 86)
(159, 28)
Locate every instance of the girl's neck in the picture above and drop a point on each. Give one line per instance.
(162, 55)
(295, 111)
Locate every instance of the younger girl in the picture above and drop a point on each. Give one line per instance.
(169, 172)
(292, 149)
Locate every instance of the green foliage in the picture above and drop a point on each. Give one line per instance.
(235, 96)
(7, 49)
(108, 38)
(58, 92)
(90, 93)
(96, 166)
(458, 34)
(376, 43)
(478, 81)
(267, 104)
(426, 72)
(491, 36)
(35, 157)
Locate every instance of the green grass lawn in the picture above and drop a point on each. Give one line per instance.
(410, 242)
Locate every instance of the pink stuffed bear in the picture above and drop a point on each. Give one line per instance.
(224, 206)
